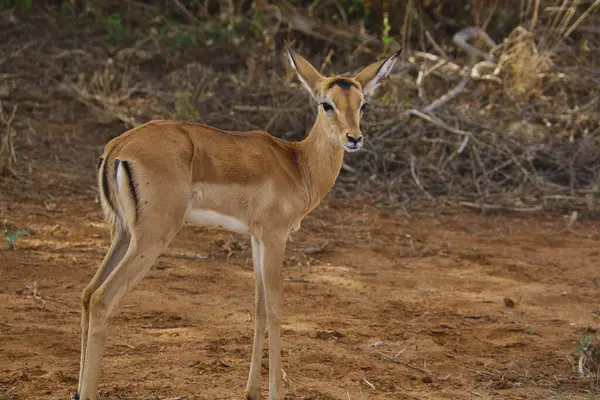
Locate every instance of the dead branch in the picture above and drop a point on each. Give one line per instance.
(70, 53)
(369, 384)
(437, 122)
(416, 178)
(462, 37)
(18, 52)
(448, 67)
(448, 96)
(318, 29)
(396, 361)
(436, 46)
(477, 74)
(258, 108)
(187, 12)
(490, 207)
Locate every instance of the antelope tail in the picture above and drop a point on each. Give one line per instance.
(118, 192)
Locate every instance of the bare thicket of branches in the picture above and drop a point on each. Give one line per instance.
(493, 115)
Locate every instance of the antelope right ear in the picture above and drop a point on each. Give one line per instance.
(374, 74)
(308, 75)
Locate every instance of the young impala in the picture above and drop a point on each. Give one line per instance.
(158, 176)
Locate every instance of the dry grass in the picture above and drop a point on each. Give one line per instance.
(528, 50)
(525, 66)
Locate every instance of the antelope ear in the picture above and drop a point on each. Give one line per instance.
(307, 74)
(374, 74)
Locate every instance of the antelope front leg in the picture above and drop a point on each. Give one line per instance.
(272, 259)
(253, 386)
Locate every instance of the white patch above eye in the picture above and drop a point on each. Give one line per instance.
(328, 102)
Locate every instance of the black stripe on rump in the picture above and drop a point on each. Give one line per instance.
(105, 188)
(99, 163)
(132, 185)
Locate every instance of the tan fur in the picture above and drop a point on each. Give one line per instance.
(155, 177)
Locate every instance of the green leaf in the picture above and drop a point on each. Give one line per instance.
(16, 235)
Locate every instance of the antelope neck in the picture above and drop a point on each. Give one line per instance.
(321, 160)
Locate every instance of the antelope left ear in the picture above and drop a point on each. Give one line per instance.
(307, 74)
(374, 74)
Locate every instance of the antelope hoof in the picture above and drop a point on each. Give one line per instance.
(253, 395)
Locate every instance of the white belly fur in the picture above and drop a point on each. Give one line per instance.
(214, 219)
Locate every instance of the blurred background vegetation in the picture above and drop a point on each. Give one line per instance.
(494, 104)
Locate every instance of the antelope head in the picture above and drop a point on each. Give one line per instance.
(341, 100)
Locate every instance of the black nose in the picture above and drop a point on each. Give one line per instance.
(353, 140)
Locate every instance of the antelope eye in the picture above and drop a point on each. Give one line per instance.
(327, 106)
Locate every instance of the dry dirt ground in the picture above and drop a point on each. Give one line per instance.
(378, 304)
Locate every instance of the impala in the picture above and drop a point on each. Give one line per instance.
(155, 178)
